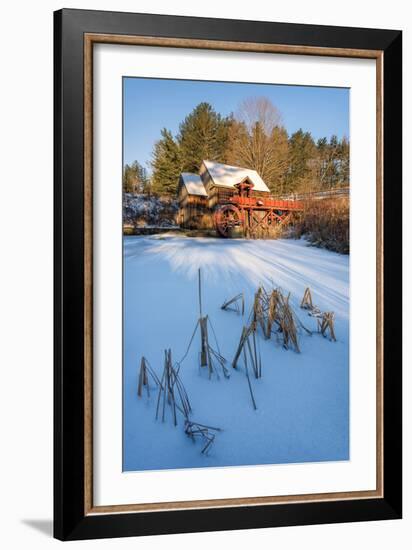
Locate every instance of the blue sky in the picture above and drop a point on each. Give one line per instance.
(152, 104)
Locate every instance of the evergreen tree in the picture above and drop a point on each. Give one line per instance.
(253, 138)
(166, 164)
(202, 135)
(280, 162)
(332, 163)
(144, 180)
(343, 156)
(135, 179)
(302, 162)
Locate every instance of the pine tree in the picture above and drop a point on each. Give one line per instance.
(343, 156)
(144, 180)
(166, 164)
(202, 135)
(135, 179)
(332, 163)
(302, 162)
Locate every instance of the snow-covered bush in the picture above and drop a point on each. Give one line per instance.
(149, 211)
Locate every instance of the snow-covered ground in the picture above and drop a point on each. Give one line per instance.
(302, 399)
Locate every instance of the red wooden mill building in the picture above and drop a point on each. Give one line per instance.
(233, 200)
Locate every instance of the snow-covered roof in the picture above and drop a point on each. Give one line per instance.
(225, 175)
(194, 184)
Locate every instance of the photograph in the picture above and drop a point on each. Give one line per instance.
(236, 291)
(227, 269)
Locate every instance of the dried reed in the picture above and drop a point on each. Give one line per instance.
(237, 303)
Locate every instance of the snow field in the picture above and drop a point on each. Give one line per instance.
(302, 399)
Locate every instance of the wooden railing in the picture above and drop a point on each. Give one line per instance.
(340, 192)
(266, 202)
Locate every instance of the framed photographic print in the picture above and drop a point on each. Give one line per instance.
(227, 274)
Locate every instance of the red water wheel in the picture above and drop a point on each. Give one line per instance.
(227, 217)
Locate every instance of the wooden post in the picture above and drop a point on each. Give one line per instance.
(143, 378)
(202, 323)
(203, 338)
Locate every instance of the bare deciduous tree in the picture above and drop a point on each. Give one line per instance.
(259, 110)
(258, 140)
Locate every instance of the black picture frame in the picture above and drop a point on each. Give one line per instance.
(70, 520)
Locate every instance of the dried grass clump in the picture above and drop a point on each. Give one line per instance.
(325, 319)
(172, 392)
(274, 231)
(274, 314)
(325, 223)
(307, 302)
(326, 324)
(195, 430)
(173, 395)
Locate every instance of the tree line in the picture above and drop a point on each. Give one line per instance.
(252, 137)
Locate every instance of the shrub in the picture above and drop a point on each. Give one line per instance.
(325, 223)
